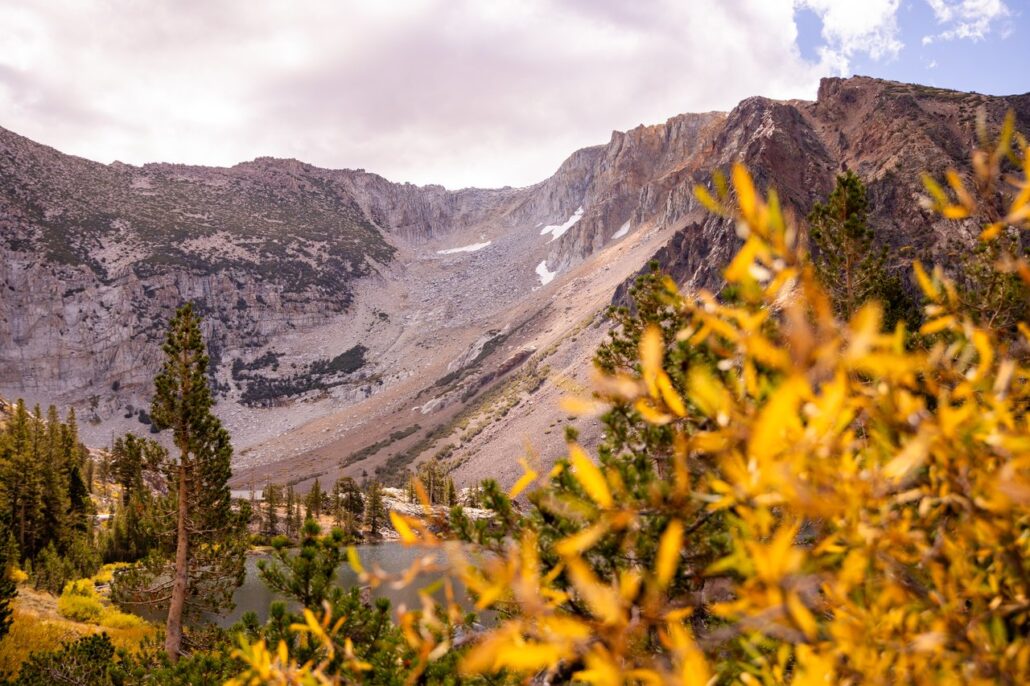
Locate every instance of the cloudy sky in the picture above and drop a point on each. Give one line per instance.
(458, 92)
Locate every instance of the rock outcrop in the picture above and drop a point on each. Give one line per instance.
(888, 133)
(337, 284)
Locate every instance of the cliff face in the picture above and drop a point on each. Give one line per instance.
(94, 258)
(888, 133)
(317, 282)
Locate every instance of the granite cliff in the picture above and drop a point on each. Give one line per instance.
(355, 323)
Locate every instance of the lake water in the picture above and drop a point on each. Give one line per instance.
(254, 596)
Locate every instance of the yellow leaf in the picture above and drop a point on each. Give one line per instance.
(739, 268)
(650, 413)
(801, 615)
(529, 475)
(925, 283)
(747, 198)
(603, 600)
(403, 528)
(1023, 197)
(692, 666)
(773, 430)
(935, 190)
(709, 442)
(911, 456)
(1019, 214)
(354, 560)
(681, 475)
(582, 407)
(669, 552)
(813, 670)
(652, 349)
(629, 584)
(589, 476)
(1008, 128)
(529, 657)
(645, 676)
(982, 343)
(706, 199)
(779, 557)
(581, 541)
(766, 353)
(670, 396)
(564, 627)
(937, 325)
(620, 385)
(708, 393)
(954, 212)
(964, 198)
(991, 231)
(600, 671)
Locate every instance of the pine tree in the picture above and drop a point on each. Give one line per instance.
(412, 494)
(23, 478)
(311, 575)
(210, 541)
(349, 506)
(292, 520)
(314, 500)
(76, 457)
(375, 509)
(8, 589)
(430, 474)
(273, 498)
(56, 504)
(336, 504)
(846, 259)
(131, 534)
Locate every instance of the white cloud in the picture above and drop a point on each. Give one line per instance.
(459, 92)
(851, 28)
(969, 19)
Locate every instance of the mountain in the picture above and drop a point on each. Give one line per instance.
(357, 325)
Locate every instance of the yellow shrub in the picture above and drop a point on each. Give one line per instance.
(17, 575)
(80, 608)
(29, 634)
(877, 494)
(80, 602)
(106, 573)
(112, 618)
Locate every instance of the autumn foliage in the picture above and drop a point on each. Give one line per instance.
(871, 488)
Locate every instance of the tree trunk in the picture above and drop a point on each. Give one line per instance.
(173, 629)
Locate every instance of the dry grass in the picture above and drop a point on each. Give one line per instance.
(38, 626)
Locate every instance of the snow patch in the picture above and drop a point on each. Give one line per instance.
(557, 230)
(623, 230)
(545, 276)
(465, 248)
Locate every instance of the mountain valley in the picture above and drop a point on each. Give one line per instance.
(358, 326)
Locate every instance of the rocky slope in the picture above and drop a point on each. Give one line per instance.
(357, 324)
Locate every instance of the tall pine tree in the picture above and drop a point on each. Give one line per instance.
(375, 510)
(8, 589)
(56, 505)
(272, 494)
(209, 537)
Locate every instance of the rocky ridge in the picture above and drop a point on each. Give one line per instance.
(342, 307)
